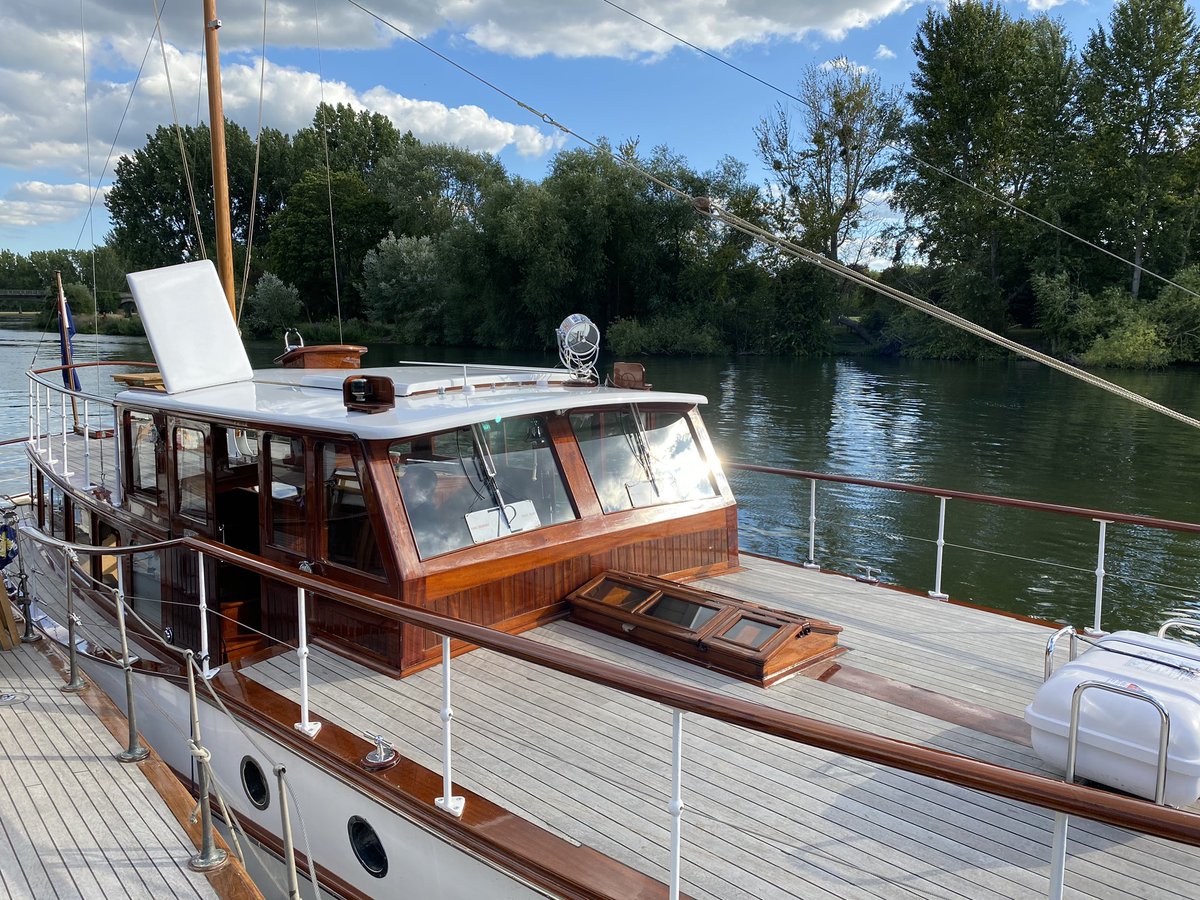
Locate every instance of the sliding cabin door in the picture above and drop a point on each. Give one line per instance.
(237, 525)
(190, 505)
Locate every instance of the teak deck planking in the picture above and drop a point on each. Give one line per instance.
(74, 822)
(592, 765)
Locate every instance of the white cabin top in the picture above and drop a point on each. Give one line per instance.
(429, 398)
(207, 375)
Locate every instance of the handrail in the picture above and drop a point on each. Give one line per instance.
(1000, 781)
(35, 376)
(1080, 511)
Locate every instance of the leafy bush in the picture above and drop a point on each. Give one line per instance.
(1137, 343)
(399, 287)
(273, 308)
(665, 336)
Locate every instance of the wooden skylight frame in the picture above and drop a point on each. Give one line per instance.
(742, 639)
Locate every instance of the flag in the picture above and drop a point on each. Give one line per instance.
(8, 545)
(66, 331)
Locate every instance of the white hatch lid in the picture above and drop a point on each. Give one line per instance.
(187, 321)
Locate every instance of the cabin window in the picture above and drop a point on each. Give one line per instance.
(641, 457)
(58, 514)
(189, 473)
(241, 447)
(349, 538)
(479, 483)
(146, 597)
(108, 537)
(143, 463)
(82, 524)
(288, 484)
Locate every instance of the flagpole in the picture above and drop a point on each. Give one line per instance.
(65, 340)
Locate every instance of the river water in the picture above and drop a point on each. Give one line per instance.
(1005, 428)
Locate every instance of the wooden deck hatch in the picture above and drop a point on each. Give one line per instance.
(748, 641)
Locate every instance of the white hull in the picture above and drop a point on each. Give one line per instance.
(420, 864)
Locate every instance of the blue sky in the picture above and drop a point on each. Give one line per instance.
(584, 62)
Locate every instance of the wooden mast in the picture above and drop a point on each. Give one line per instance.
(216, 119)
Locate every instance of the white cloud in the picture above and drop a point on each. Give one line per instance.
(1043, 5)
(32, 203)
(845, 64)
(883, 51)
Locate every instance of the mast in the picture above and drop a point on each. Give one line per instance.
(216, 119)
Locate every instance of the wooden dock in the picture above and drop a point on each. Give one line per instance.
(766, 818)
(75, 822)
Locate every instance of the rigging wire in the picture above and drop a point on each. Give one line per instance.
(262, 81)
(187, 172)
(901, 150)
(706, 207)
(337, 291)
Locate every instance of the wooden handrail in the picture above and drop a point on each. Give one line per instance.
(101, 362)
(1080, 511)
(1025, 787)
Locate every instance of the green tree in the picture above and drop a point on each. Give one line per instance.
(358, 140)
(826, 158)
(1141, 103)
(399, 287)
(300, 250)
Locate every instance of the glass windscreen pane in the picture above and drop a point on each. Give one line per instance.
(685, 613)
(473, 484)
(641, 457)
(287, 492)
(349, 537)
(144, 435)
(750, 632)
(189, 473)
(612, 593)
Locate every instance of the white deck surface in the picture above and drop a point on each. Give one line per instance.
(763, 818)
(74, 822)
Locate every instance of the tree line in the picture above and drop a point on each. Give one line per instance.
(965, 189)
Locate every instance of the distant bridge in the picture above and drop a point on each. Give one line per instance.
(22, 299)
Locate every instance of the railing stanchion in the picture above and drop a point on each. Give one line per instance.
(76, 682)
(210, 856)
(62, 416)
(49, 432)
(29, 636)
(304, 725)
(676, 806)
(87, 446)
(811, 562)
(1096, 629)
(447, 802)
(134, 752)
(936, 593)
(202, 590)
(32, 432)
(289, 845)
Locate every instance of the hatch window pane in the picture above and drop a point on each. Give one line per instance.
(287, 482)
(479, 483)
(189, 473)
(613, 593)
(641, 457)
(349, 537)
(750, 632)
(692, 616)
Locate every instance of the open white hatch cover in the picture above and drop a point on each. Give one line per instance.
(187, 320)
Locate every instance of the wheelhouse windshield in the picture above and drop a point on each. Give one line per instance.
(480, 483)
(641, 457)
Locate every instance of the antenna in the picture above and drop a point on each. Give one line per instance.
(579, 346)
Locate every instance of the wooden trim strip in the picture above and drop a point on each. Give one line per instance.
(1080, 511)
(1074, 799)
